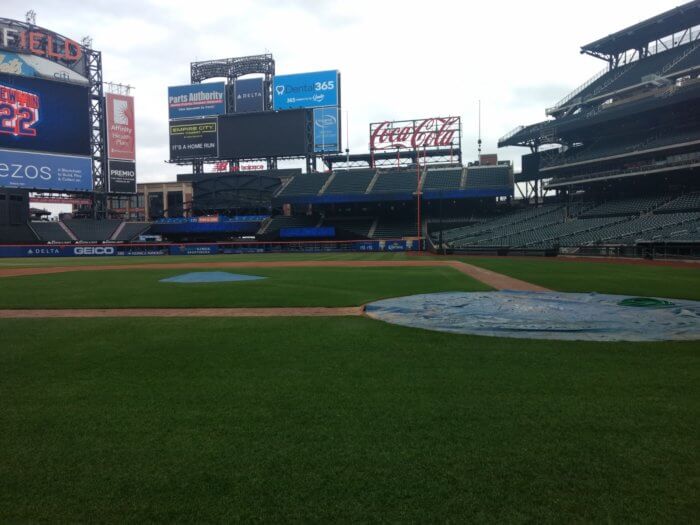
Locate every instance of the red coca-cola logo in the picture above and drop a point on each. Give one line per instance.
(415, 134)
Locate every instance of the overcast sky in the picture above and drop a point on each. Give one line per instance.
(399, 59)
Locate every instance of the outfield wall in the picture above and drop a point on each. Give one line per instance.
(161, 249)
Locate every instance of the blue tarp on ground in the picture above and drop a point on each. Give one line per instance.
(543, 315)
(211, 277)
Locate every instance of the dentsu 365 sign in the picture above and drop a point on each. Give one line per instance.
(306, 90)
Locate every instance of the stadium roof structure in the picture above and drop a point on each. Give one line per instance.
(639, 35)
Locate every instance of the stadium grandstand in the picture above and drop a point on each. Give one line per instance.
(613, 169)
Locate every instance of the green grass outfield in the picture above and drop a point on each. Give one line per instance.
(344, 419)
(337, 419)
(283, 287)
(596, 276)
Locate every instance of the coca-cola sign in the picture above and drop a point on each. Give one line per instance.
(439, 132)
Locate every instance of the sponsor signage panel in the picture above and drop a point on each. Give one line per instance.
(249, 95)
(193, 139)
(197, 100)
(122, 176)
(429, 133)
(41, 171)
(34, 40)
(326, 130)
(306, 90)
(42, 115)
(268, 134)
(194, 249)
(121, 140)
(307, 233)
(34, 66)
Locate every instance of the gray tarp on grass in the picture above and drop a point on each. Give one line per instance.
(544, 315)
(210, 277)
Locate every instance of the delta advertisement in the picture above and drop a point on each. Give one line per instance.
(326, 130)
(42, 115)
(197, 100)
(306, 90)
(249, 95)
(40, 171)
(121, 140)
(193, 139)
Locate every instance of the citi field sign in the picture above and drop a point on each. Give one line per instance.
(26, 38)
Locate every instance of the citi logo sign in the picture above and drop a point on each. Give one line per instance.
(93, 250)
(326, 121)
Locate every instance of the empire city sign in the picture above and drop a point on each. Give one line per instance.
(439, 132)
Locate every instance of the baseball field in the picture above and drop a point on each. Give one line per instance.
(127, 399)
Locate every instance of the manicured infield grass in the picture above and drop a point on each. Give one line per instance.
(601, 277)
(283, 287)
(343, 419)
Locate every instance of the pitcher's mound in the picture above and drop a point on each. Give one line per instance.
(211, 277)
(545, 315)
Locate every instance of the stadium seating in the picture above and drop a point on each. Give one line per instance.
(360, 226)
(488, 177)
(664, 63)
(447, 179)
(688, 202)
(131, 230)
(50, 231)
(17, 234)
(603, 149)
(498, 224)
(396, 182)
(308, 184)
(392, 228)
(622, 221)
(352, 181)
(625, 207)
(92, 230)
(292, 221)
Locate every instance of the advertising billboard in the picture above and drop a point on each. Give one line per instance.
(121, 141)
(121, 176)
(197, 100)
(34, 66)
(43, 115)
(428, 133)
(261, 135)
(326, 130)
(306, 90)
(41, 171)
(29, 39)
(196, 138)
(249, 95)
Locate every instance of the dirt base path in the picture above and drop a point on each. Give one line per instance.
(183, 312)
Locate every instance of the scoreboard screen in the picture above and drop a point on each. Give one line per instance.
(44, 115)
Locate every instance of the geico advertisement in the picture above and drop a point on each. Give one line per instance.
(39, 171)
